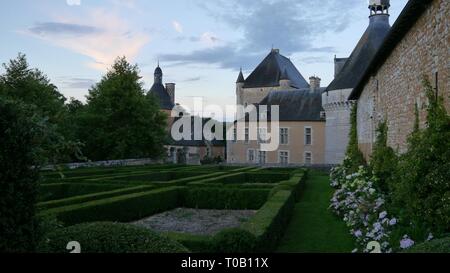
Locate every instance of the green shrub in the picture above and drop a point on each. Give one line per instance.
(421, 192)
(435, 246)
(66, 190)
(354, 157)
(383, 162)
(91, 197)
(271, 220)
(124, 208)
(20, 133)
(224, 198)
(109, 238)
(296, 184)
(233, 241)
(266, 177)
(195, 243)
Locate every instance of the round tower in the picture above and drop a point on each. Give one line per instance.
(335, 100)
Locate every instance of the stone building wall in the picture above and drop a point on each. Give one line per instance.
(391, 94)
(237, 151)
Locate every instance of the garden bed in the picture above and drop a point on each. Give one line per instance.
(196, 221)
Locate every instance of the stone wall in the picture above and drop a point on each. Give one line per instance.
(391, 94)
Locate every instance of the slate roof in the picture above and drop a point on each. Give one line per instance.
(362, 55)
(409, 16)
(295, 105)
(159, 91)
(269, 71)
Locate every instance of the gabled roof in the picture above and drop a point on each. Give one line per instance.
(409, 16)
(159, 91)
(294, 105)
(362, 55)
(269, 71)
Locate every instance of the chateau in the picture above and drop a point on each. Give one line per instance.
(382, 77)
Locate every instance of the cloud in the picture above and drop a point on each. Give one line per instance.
(77, 83)
(100, 35)
(290, 25)
(55, 28)
(73, 2)
(177, 26)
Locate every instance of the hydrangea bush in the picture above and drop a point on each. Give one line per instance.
(362, 207)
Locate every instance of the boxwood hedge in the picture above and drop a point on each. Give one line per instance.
(91, 197)
(224, 198)
(109, 238)
(66, 190)
(123, 208)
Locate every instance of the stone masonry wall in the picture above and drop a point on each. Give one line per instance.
(392, 93)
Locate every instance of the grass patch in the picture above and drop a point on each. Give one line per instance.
(313, 227)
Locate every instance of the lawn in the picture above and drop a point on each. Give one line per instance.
(313, 227)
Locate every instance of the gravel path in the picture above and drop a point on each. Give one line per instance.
(196, 221)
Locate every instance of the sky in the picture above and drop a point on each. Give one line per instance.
(201, 45)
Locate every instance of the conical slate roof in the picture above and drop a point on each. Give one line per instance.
(240, 78)
(363, 54)
(159, 91)
(269, 71)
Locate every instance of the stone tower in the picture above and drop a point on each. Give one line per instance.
(348, 72)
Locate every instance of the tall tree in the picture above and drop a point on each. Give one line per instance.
(119, 120)
(31, 86)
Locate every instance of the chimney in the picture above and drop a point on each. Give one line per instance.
(314, 82)
(170, 88)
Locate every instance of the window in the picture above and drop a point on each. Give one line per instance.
(235, 135)
(262, 157)
(308, 158)
(284, 136)
(247, 135)
(284, 157)
(262, 135)
(308, 136)
(251, 155)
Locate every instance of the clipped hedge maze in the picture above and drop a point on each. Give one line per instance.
(130, 194)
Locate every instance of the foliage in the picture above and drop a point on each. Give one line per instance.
(109, 238)
(270, 222)
(123, 208)
(421, 192)
(211, 161)
(434, 246)
(354, 156)
(32, 87)
(91, 197)
(119, 120)
(233, 241)
(224, 198)
(22, 135)
(383, 162)
(56, 191)
(363, 208)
